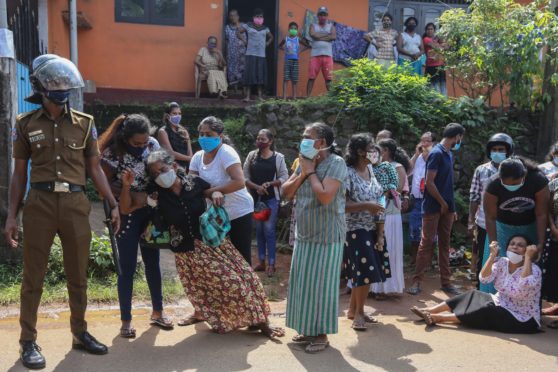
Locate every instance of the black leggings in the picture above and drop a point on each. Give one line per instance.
(241, 236)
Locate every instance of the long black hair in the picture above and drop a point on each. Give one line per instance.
(396, 153)
(360, 141)
(517, 167)
(426, 28)
(121, 130)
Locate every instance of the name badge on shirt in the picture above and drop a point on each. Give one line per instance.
(36, 136)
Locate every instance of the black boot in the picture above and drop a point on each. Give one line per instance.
(84, 341)
(31, 356)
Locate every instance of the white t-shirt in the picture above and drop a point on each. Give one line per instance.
(419, 173)
(238, 203)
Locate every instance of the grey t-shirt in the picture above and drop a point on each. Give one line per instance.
(322, 48)
(256, 40)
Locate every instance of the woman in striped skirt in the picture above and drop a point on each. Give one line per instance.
(318, 184)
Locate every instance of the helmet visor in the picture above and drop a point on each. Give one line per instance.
(58, 74)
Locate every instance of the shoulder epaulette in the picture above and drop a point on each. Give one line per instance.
(79, 113)
(26, 114)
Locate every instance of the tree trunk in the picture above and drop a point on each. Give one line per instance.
(548, 130)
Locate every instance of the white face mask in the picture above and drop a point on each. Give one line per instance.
(514, 257)
(166, 180)
(372, 157)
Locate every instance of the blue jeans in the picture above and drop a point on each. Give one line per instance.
(265, 232)
(415, 221)
(133, 225)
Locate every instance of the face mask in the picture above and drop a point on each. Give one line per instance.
(293, 32)
(512, 188)
(498, 157)
(166, 180)
(411, 28)
(211, 46)
(175, 119)
(307, 148)
(372, 157)
(457, 146)
(322, 19)
(58, 97)
(135, 151)
(514, 257)
(386, 24)
(262, 145)
(428, 149)
(555, 160)
(258, 21)
(209, 144)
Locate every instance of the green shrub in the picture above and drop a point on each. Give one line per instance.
(242, 142)
(91, 191)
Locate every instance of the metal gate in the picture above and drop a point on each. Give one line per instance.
(23, 89)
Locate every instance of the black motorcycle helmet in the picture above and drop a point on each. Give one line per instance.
(500, 139)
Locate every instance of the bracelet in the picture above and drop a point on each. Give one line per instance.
(311, 173)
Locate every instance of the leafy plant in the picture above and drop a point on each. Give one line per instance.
(91, 191)
(234, 128)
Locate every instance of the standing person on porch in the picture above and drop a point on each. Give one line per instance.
(236, 49)
(410, 47)
(498, 148)
(319, 186)
(385, 41)
(439, 209)
(62, 144)
(291, 45)
(174, 137)
(323, 34)
(259, 37)
(265, 171)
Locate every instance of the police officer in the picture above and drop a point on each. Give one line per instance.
(62, 146)
(498, 148)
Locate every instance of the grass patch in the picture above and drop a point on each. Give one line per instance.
(98, 292)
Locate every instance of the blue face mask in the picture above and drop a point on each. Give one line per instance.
(512, 188)
(457, 146)
(209, 144)
(555, 160)
(58, 97)
(498, 157)
(175, 119)
(307, 148)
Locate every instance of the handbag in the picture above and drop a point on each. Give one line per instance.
(156, 235)
(214, 225)
(261, 211)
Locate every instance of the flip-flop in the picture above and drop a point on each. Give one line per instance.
(188, 321)
(414, 290)
(303, 339)
(418, 312)
(370, 319)
(359, 325)
(162, 322)
(127, 333)
(316, 347)
(553, 324)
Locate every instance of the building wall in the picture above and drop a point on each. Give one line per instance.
(160, 58)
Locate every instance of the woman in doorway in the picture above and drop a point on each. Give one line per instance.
(174, 137)
(410, 47)
(236, 49)
(212, 66)
(259, 38)
(125, 146)
(385, 41)
(434, 61)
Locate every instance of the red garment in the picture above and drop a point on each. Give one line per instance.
(433, 59)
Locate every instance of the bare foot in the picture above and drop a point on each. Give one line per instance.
(271, 332)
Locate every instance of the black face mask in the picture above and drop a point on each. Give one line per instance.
(135, 151)
(411, 28)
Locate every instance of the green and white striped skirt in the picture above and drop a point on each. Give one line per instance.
(313, 298)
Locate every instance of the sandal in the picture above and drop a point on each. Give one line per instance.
(260, 267)
(414, 290)
(188, 321)
(370, 319)
(270, 271)
(316, 347)
(127, 332)
(418, 312)
(303, 339)
(162, 322)
(359, 324)
(553, 324)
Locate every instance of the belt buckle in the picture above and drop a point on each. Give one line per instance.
(61, 187)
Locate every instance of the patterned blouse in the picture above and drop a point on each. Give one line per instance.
(483, 174)
(360, 190)
(520, 296)
(137, 164)
(387, 176)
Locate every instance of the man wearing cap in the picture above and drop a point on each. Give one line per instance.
(62, 145)
(321, 58)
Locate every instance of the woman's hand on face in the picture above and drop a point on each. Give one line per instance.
(494, 249)
(128, 177)
(217, 198)
(532, 252)
(375, 209)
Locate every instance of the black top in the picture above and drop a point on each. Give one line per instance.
(261, 171)
(178, 142)
(182, 212)
(517, 207)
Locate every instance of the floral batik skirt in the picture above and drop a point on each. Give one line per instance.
(222, 287)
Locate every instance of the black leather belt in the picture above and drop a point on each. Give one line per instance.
(56, 187)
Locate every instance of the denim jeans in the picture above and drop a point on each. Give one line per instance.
(132, 227)
(265, 232)
(415, 221)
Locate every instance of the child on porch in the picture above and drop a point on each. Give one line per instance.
(291, 45)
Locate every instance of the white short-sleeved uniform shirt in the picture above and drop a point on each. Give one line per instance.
(238, 203)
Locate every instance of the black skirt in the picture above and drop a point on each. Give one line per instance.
(549, 265)
(363, 264)
(476, 309)
(255, 71)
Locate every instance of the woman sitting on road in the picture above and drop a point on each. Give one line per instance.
(515, 308)
(219, 283)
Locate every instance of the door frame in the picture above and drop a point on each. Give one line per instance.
(273, 88)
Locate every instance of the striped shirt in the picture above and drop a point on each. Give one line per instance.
(322, 223)
(482, 175)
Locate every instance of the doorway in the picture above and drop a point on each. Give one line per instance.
(245, 9)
